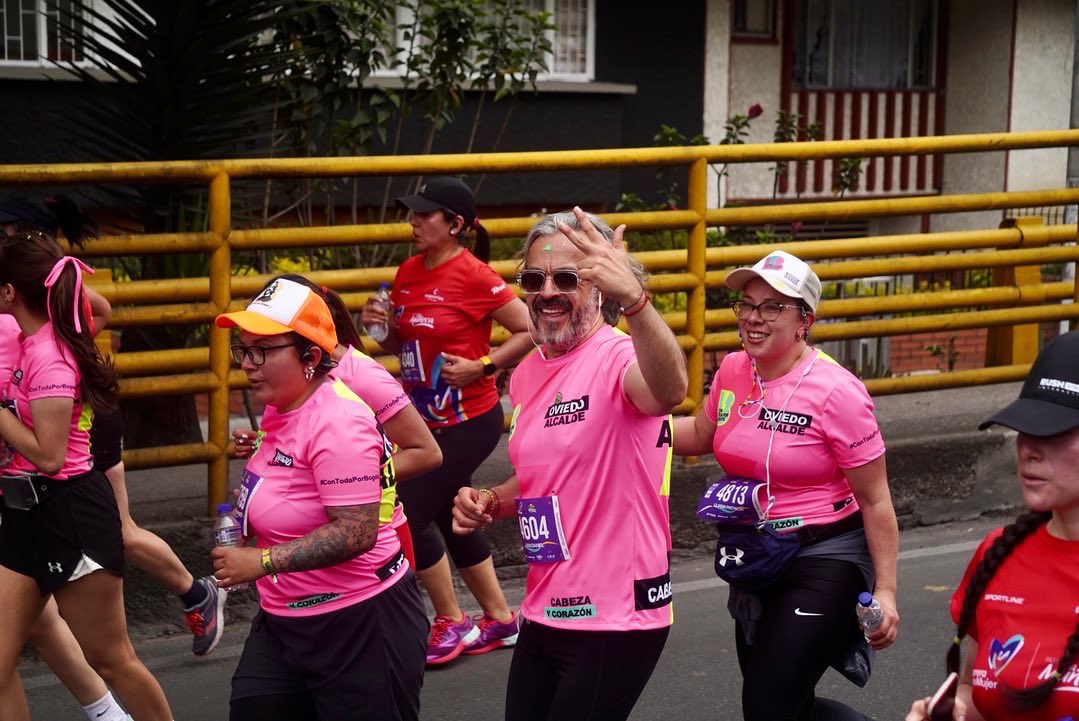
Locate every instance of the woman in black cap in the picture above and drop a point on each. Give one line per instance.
(444, 300)
(1018, 605)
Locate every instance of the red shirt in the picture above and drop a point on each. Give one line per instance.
(1024, 618)
(446, 309)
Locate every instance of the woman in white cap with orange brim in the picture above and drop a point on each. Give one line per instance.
(341, 629)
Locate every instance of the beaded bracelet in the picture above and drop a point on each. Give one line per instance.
(638, 306)
(267, 564)
(496, 502)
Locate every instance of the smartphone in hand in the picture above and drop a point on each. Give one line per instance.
(943, 701)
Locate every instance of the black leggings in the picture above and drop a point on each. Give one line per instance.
(428, 499)
(559, 675)
(808, 622)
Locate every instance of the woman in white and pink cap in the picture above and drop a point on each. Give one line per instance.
(341, 629)
(787, 421)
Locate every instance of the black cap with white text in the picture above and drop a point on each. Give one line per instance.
(1049, 401)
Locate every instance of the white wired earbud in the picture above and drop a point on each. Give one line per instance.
(774, 425)
(528, 325)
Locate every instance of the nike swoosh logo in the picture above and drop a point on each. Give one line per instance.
(800, 612)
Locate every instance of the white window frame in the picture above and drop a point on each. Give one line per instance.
(404, 19)
(42, 30)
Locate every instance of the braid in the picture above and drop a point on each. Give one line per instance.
(1014, 534)
(1029, 698)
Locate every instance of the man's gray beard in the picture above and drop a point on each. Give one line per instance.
(569, 336)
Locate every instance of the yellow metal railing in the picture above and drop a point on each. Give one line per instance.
(1016, 301)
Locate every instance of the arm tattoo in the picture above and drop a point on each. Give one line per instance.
(350, 532)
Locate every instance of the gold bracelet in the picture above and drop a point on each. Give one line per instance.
(267, 564)
(496, 502)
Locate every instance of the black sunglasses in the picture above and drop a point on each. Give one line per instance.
(532, 281)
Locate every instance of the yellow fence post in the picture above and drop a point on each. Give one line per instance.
(1010, 345)
(220, 296)
(697, 192)
(103, 338)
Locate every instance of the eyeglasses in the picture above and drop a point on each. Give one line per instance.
(769, 309)
(255, 353)
(532, 281)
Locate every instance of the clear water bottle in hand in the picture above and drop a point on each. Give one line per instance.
(380, 330)
(870, 615)
(227, 533)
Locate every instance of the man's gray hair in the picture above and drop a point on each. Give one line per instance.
(548, 225)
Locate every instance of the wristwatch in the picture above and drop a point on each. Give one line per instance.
(489, 366)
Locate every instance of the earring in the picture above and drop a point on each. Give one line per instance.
(308, 373)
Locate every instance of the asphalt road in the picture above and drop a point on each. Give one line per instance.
(697, 677)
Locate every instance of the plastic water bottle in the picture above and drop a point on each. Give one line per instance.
(870, 615)
(227, 533)
(379, 331)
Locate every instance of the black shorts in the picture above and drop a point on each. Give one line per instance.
(365, 661)
(76, 517)
(107, 439)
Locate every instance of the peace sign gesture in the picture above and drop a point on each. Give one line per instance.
(606, 263)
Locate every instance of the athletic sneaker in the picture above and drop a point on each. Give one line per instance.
(207, 619)
(449, 638)
(493, 634)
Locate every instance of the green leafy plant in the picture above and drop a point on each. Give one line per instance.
(788, 129)
(946, 353)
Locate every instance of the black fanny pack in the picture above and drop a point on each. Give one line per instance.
(24, 491)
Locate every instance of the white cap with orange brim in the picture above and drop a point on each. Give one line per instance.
(285, 306)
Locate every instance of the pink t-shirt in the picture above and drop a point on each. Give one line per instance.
(368, 379)
(328, 452)
(823, 425)
(49, 371)
(576, 436)
(373, 383)
(10, 350)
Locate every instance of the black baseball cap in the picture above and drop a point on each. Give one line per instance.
(21, 211)
(1049, 401)
(443, 193)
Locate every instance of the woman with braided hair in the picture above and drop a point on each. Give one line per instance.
(1017, 609)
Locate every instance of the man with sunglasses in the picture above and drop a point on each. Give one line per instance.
(590, 443)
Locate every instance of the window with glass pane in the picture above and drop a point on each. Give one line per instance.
(571, 37)
(886, 44)
(753, 18)
(571, 40)
(30, 25)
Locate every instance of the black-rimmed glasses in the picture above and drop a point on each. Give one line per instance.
(531, 281)
(255, 353)
(769, 310)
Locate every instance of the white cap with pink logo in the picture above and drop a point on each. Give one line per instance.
(784, 272)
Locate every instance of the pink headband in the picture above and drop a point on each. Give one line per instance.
(54, 277)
